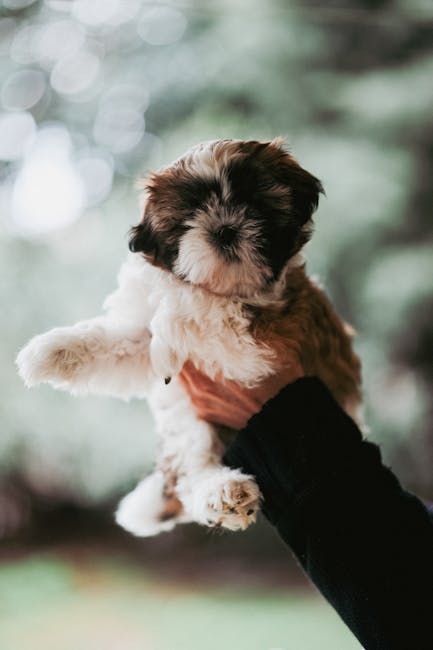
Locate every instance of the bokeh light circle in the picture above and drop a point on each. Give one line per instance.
(23, 89)
(16, 133)
(74, 74)
(48, 193)
(161, 25)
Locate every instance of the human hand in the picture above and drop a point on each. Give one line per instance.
(226, 402)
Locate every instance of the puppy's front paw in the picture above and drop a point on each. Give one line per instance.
(53, 357)
(227, 499)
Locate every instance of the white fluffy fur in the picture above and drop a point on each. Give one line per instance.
(152, 324)
(200, 263)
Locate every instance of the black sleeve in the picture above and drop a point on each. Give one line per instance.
(366, 543)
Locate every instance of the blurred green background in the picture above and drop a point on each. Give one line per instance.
(93, 93)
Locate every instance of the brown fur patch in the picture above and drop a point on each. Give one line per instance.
(308, 332)
(172, 505)
(172, 508)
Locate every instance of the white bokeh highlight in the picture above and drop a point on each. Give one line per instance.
(48, 193)
(17, 131)
(74, 74)
(161, 25)
(96, 171)
(23, 89)
(97, 13)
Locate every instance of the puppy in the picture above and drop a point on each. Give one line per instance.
(215, 278)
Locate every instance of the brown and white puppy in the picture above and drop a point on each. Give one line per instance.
(228, 216)
(215, 279)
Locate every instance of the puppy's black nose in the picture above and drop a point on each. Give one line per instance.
(225, 235)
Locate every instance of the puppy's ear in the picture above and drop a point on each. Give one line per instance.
(143, 240)
(306, 190)
(304, 187)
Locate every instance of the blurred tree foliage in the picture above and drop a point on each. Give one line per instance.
(124, 86)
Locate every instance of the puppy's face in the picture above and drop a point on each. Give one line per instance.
(228, 215)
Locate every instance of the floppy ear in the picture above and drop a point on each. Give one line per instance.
(143, 240)
(304, 187)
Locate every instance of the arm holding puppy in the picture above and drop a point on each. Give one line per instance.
(365, 542)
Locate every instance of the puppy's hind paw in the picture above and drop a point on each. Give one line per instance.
(147, 511)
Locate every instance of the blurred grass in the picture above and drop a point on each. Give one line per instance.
(53, 602)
